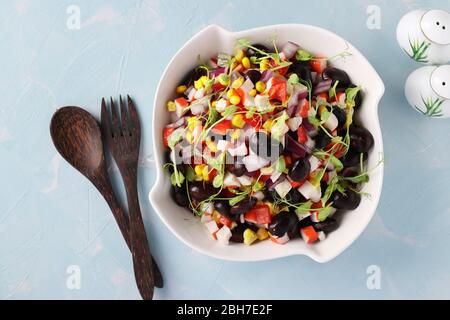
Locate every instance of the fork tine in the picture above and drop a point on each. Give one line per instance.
(124, 117)
(116, 130)
(105, 119)
(132, 112)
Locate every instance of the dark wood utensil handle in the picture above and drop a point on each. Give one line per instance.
(142, 261)
(104, 187)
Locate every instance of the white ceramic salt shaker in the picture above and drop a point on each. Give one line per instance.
(428, 91)
(425, 36)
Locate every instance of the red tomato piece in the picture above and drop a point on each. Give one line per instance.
(225, 221)
(309, 235)
(278, 90)
(318, 65)
(260, 214)
(304, 109)
(166, 134)
(302, 135)
(222, 127)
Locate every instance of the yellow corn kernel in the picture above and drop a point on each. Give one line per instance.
(268, 124)
(214, 103)
(193, 122)
(171, 106)
(181, 89)
(204, 80)
(189, 137)
(249, 237)
(238, 83)
(239, 55)
(199, 169)
(260, 86)
(238, 121)
(235, 100)
(264, 65)
(246, 63)
(224, 79)
(262, 234)
(198, 84)
(211, 145)
(236, 134)
(252, 93)
(230, 93)
(205, 173)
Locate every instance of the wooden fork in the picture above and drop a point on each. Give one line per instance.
(123, 137)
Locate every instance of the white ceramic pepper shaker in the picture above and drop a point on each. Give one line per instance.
(425, 36)
(428, 91)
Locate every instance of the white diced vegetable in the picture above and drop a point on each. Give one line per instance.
(224, 235)
(223, 145)
(253, 162)
(231, 180)
(206, 218)
(211, 226)
(248, 85)
(200, 93)
(331, 123)
(207, 208)
(314, 162)
(303, 215)
(238, 151)
(283, 188)
(310, 143)
(321, 235)
(199, 107)
(294, 123)
(275, 175)
(221, 105)
(245, 180)
(259, 195)
(262, 103)
(310, 192)
(191, 94)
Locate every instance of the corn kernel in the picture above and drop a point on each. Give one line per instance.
(189, 137)
(211, 146)
(246, 63)
(193, 122)
(264, 65)
(238, 83)
(249, 237)
(224, 79)
(268, 124)
(204, 80)
(199, 169)
(236, 134)
(239, 55)
(252, 93)
(235, 100)
(171, 106)
(238, 121)
(230, 93)
(181, 89)
(260, 86)
(205, 173)
(198, 84)
(262, 234)
(214, 103)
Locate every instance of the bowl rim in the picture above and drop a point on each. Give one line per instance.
(160, 175)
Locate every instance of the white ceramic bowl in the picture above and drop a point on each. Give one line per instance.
(208, 43)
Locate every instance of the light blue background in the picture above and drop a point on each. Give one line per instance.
(51, 217)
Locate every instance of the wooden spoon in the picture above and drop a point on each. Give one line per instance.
(77, 137)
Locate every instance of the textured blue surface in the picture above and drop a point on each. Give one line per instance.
(51, 217)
